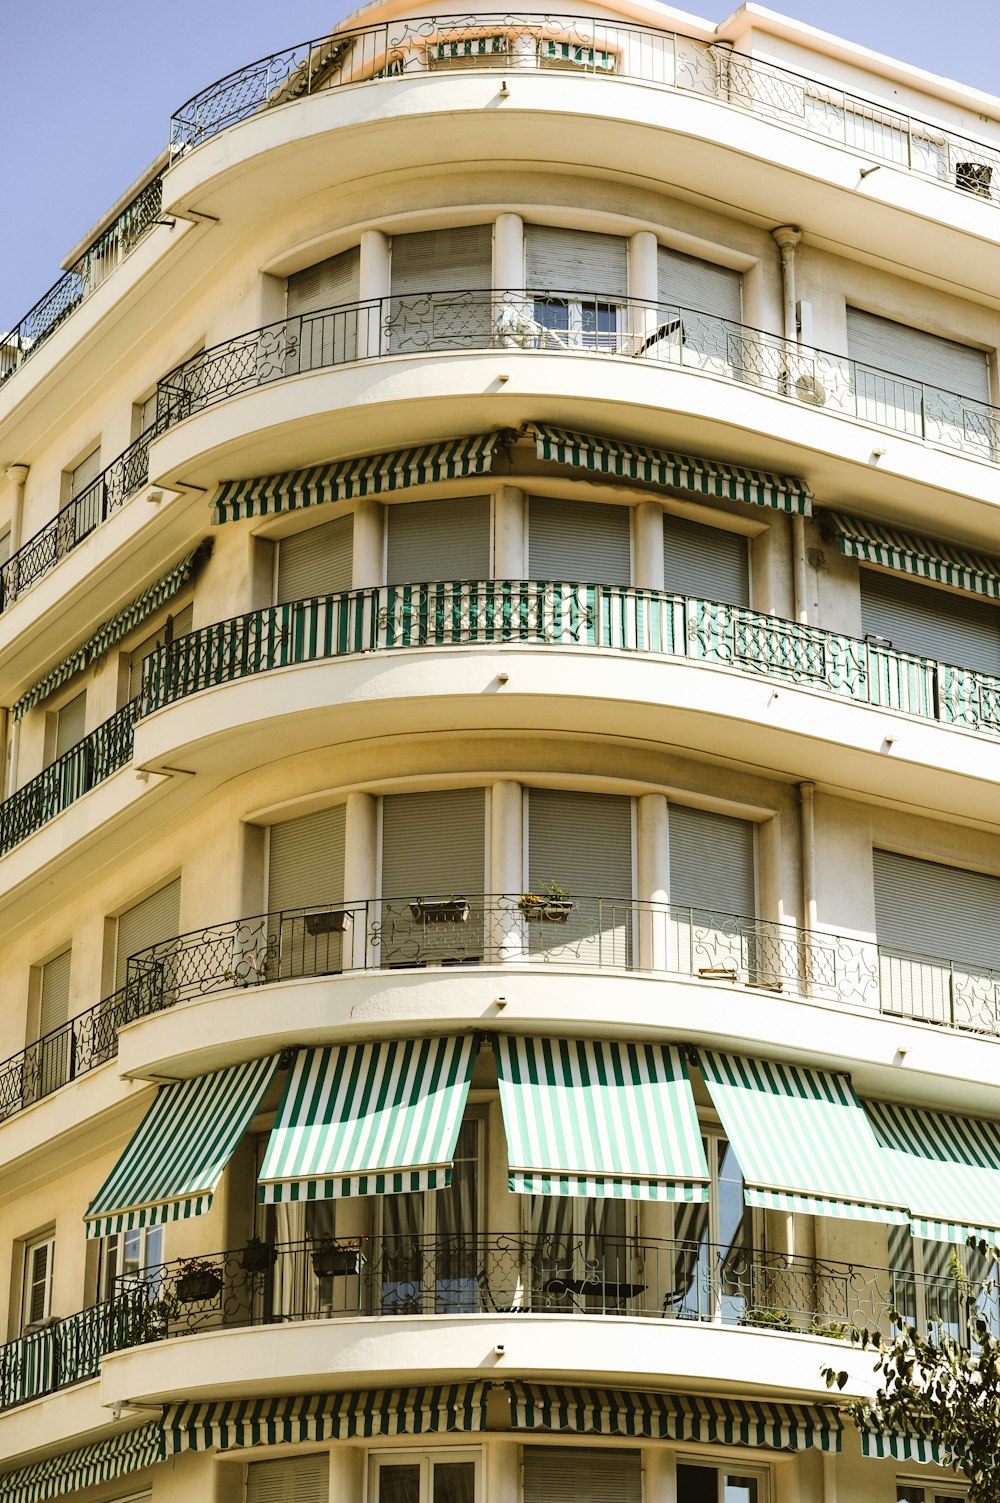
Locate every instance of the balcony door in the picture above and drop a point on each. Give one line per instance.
(433, 879)
(317, 561)
(712, 930)
(322, 326)
(698, 313)
(708, 563)
(579, 845)
(430, 1252)
(582, 1252)
(712, 1271)
(577, 288)
(307, 927)
(924, 1288)
(55, 1047)
(704, 1482)
(438, 540)
(441, 297)
(580, 541)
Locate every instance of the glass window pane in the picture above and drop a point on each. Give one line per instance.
(739, 1489)
(697, 1484)
(906, 1494)
(399, 1484)
(454, 1482)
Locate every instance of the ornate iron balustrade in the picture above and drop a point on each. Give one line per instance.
(75, 773)
(562, 614)
(60, 1353)
(580, 321)
(521, 1274)
(604, 48)
(86, 274)
(75, 521)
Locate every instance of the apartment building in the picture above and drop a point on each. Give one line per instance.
(500, 846)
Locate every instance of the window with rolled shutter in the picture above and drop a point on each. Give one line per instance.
(933, 623)
(438, 540)
(578, 540)
(71, 724)
(706, 562)
(150, 922)
(925, 910)
(558, 259)
(53, 1013)
(316, 562)
(86, 514)
(293, 1479)
(181, 623)
(582, 842)
(322, 302)
(305, 883)
(692, 283)
(441, 297)
(433, 847)
(328, 284)
(917, 355)
(563, 1474)
(711, 925)
(85, 473)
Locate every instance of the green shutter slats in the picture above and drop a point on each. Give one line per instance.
(593, 1118)
(802, 1140)
(369, 475)
(947, 1169)
(368, 1119)
(177, 1155)
(924, 558)
(113, 631)
(705, 477)
(327, 1416)
(681, 1417)
(102, 1461)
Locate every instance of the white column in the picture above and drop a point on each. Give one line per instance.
(659, 1479)
(508, 251)
(829, 1478)
(508, 533)
(360, 867)
(373, 287)
(647, 545)
(347, 1472)
(653, 852)
(506, 877)
(368, 554)
(18, 474)
(643, 287)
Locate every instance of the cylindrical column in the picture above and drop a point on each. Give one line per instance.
(506, 871)
(829, 1478)
(373, 289)
(347, 1473)
(15, 747)
(360, 869)
(807, 806)
(653, 853)
(659, 1468)
(367, 559)
(18, 475)
(648, 546)
(508, 533)
(508, 252)
(643, 288)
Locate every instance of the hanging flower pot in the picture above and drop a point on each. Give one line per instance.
(197, 1283)
(332, 1260)
(258, 1256)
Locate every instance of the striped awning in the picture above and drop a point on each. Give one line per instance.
(947, 1170)
(596, 1118)
(674, 1416)
(683, 472)
(179, 1150)
(113, 631)
(325, 1416)
(900, 1447)
(101, 1461)
(802, 1139)
(925, 558)
(368, 1119)
(369, 475)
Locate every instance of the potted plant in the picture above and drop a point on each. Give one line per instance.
(156, 1317)
(333, 1258)
(451, 910)
(197, 1280)
(331, 921)
(767, 1318)
(258, 1256)
(552, 903)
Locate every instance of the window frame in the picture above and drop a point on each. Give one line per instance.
(426, 1458)
(32, 1246)
(759, 1472)
(111, 1272)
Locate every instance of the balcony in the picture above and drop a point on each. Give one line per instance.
(499, 1274)
(581, 322)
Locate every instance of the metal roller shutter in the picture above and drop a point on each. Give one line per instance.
(438, 540)
(450, 260)
(711, 861)
(705, 561)
(578, 540)
(71, 723)
(919, 356)
(930, 909)
(698, 284)
(53, 1012)
(182, 622)
(560, 1474)
(575, 261)
(150, 922)
(433, 846)
(934, 623)
(305, 870)
(295, 1479)
(328, 284)
(583, 843)
(318, 561)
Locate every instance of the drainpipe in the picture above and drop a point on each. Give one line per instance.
(787, 237)
(18, 473)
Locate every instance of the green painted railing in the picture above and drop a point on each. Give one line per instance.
(564, 614)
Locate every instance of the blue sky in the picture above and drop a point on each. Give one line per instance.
(87, 91)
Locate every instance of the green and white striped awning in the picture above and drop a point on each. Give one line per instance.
(802, 1140)
(674, 1416)
(900, 1447)
(596, 1118)
(684, 472)
(369, 475)
(925, 558)
(101, 1461)
(368, 1119)
(113, 631)
(947, 1170)
(325, 1416)
(179, 1150)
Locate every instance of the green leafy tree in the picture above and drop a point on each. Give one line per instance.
(939, 1389)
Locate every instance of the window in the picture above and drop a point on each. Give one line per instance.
(923, 1283)
(181, 623)
(583, 1474)
(433, 878)
(71, 725)
(578, 541)
(55, 1052)
(917, 618)
(129, 1259)
(441, 297)
(36, 1301)
(709, 563)
(85, 509)
(581, 843)
(318, 561)
(431, 540)
(711, 928)
(143, 415)
(431, 1254)
(4, 545)
(713, 1273)
(305, 882)
(578, 282)
(323, 298)
(553, 54)
(293, 1479)
(700, 1482)
(445, 1476)
(155, 919)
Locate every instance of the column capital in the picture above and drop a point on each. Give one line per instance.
(787, 235)
(17, 472)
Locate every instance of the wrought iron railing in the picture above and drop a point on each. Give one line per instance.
(60, 1353)
(604, 48)
(86, 274)
(69, 777)
(563, 614)
(580, 321)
